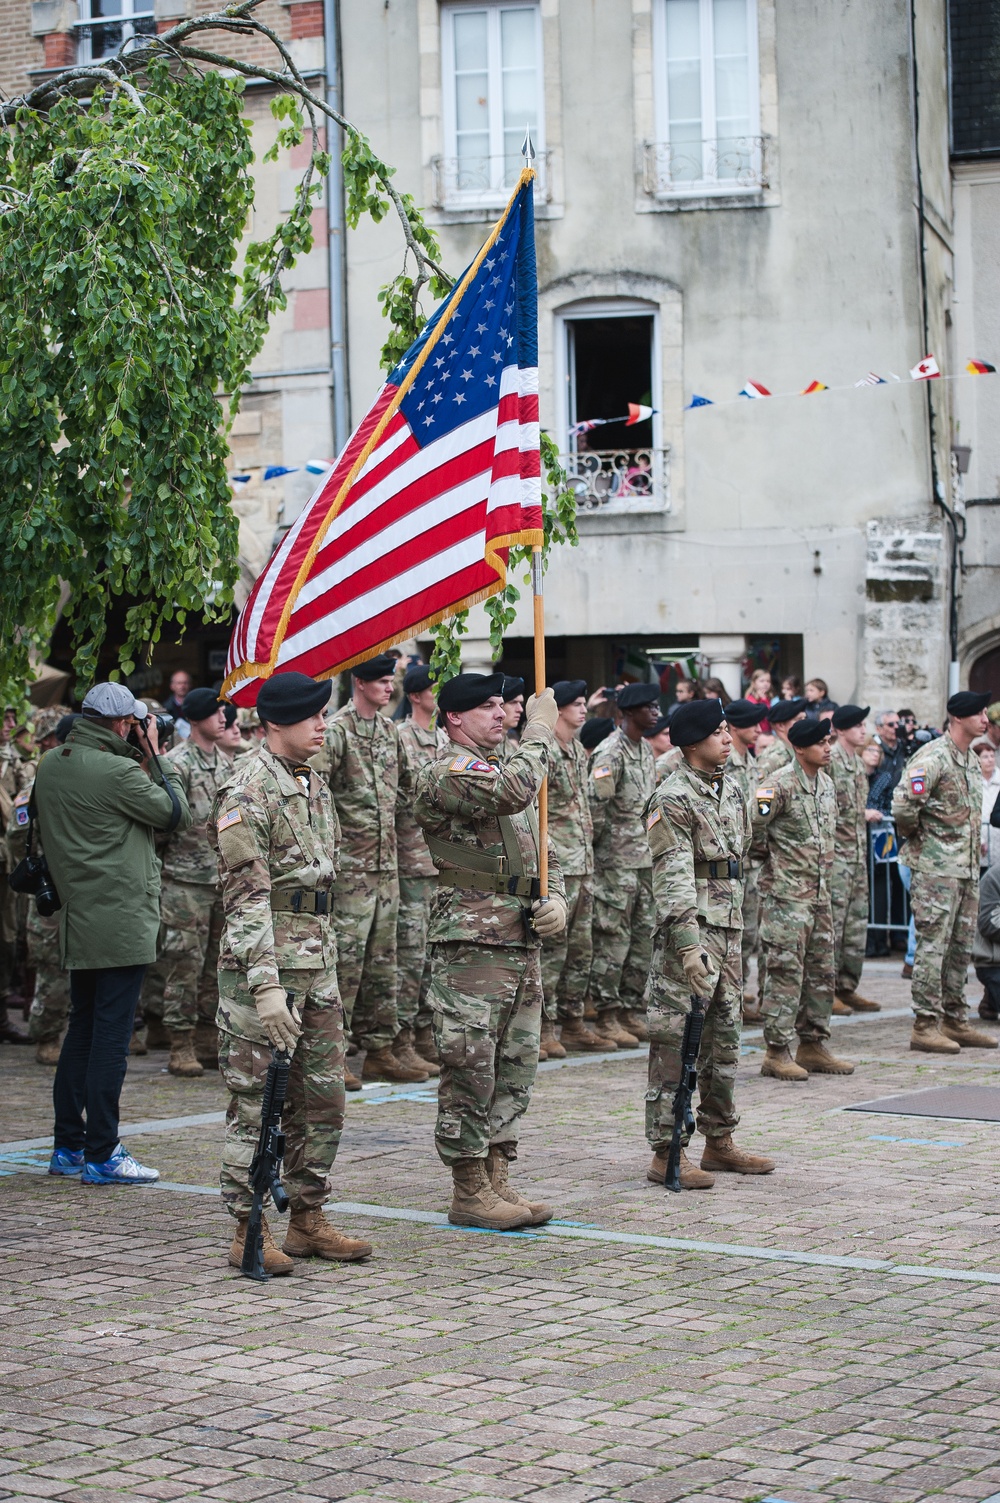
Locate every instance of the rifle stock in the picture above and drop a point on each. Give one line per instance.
(265, 1169)
(694, 1025)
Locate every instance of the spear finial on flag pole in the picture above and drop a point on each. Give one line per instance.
(527, 146)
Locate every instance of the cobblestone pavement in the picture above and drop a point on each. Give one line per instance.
(802, 1337)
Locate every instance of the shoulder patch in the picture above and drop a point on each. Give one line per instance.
(22, 797)
(21, 815)
(918, 780)
(653, 819)
(231, 817)
(469, 764)
(602, 772)
(765, 798)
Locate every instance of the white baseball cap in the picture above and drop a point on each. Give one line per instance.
(113, 701)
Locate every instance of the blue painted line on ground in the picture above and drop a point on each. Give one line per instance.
(883, 1137)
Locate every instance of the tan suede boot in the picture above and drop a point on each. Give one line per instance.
(779, 1065)
(474, 1201)
(604, 1031)
(206, 1045)
(577, 1038)
(275, 1261)
(855, 1002)
(137, 1043)
(723, 1157)
(967, 1037)
(927, 1038)
(352, 1082)
(549, 1042)
(402, 1048)
(183, 1061)
(310, 1235)
(382, 1064)
(815, 1057)
(47, 1052)
(840, 1009)
(612, 1024)
(692, 1178)
(498, 1168)
(423, 1044)
(634, 1022)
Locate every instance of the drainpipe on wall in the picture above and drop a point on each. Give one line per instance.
(335, 223)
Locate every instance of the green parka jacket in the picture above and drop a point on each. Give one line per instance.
(97, 812)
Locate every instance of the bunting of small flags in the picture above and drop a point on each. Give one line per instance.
(981, 368)
(274, 471)
(807, 391)
(871, 380)
(637, 413)
(697, 401)
(754, 389)
(926, 369)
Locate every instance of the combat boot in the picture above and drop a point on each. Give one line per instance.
(157, 1036)
(855, 1002)
(275, 1261)
(549, 1042)
(613, 1025)
(634, 1022)
(967, 1037)
(352, 1082)
(987, 1009)
(402, 1048)
(206, 1045)
(382, 1064)
(474, 1201)
(310, 1235)
(814, 1056)
(751, 1010)
(779, 1064)
(498, 1167)
(722, 1155)
(9, 1032)
(692, 1178)
(840, 1009)
(927, 1038)
(47, 1051)
(577, 1038)
(423, 1044)
(183, 1061)
(604, 1031)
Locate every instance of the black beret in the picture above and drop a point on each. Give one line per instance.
(634, 695)
(784, 710)
(200, 704)
(381, 667)
(742, 713)
(661, 725)
(64, 727)
(231, 714)
(417, 679)
(967, 703)
(694, 720)
(847, 716)
(594, 731)
(467, 691)
(808, 732)
(512, 687)
(287, 698)
(568, 689)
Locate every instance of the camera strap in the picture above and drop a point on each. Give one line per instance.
(175, 813)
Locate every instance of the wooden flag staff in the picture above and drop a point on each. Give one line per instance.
(537, 574)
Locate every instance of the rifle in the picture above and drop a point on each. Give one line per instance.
(694, 1024)
(265, 1170)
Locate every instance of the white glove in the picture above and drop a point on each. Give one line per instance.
(548, 916)
(281, 1023)
(701, 977)
(542, 709)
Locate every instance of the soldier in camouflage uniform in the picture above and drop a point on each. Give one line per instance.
(566, 956)
(479, 816)
(360, 761)
(937, 805)
(743, 716)
(420, 741)
(849, 880)
(668, 762)
(16, 775)
(275, 827)
(781, 717)
(622, 780)
(190, 897)
(698, 826)
(794, 824)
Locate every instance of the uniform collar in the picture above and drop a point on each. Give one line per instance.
(89, 733)
(282, 771)
(705, 782)
(803, 776)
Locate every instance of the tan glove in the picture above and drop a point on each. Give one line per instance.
(542, 709)
(281, 1023)
(548, 916)
(701, 977)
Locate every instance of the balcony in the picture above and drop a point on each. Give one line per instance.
(619, 482)
(484, 182)
(730, 168)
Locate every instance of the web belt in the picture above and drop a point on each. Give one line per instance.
(726, 871)
(300, 900)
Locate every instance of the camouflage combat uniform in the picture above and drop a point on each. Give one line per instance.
(478, 814)
(773, 758)
(622, 780)
(566, 956)
(190, 897)
(937, 805)
(668, 762)
(277, 835)
(360, 761)
(794, 822)
(849, 880)
(50, 1002)
(417, 876)
(698, 827)
(741, 769)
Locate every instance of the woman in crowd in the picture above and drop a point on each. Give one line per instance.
(989, 849)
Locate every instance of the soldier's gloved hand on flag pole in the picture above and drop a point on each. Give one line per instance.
(701, 977)
(281, 1023)
(542, 709)
(548, 915)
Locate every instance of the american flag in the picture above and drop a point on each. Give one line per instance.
(415, 520)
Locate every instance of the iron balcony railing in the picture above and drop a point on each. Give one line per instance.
(736, 164)
(616, 481)
(473, 182)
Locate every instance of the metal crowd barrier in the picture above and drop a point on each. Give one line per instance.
(888, 890)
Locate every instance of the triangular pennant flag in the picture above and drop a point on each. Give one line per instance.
(980, 368)
(872, 380)
(240, 479)
(754, 389)
(925, 370)
(812, 387)
(275, 471)
(697, 401)
(637, 413)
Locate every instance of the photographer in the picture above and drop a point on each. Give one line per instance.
(99, 799)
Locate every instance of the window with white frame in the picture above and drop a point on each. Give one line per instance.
(492, 90)
(105, 24)
(707, 98)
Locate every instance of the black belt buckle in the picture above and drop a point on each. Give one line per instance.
(322, 903)
(734, 869)
(297, 901)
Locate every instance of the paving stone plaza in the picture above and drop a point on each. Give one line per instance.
(824, 1335)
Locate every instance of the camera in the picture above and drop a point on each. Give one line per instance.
(32, 876)
(164, 726)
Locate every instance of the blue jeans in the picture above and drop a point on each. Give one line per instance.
(94, 1059)
(911, 938)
